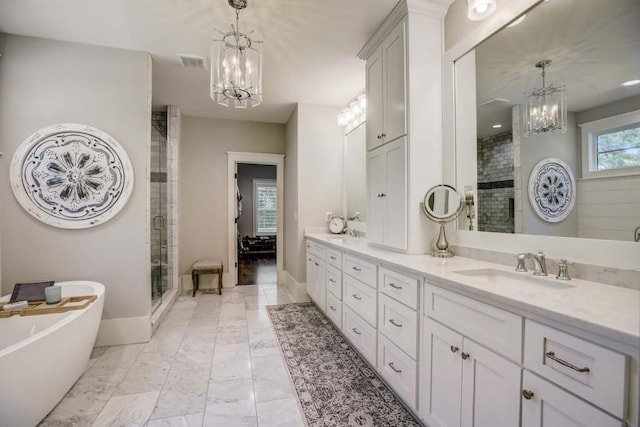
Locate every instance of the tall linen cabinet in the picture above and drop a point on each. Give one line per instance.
(404, 123)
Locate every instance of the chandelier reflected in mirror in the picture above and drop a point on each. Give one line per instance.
(545, 110)
(236, 65)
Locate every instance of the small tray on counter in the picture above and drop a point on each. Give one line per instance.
(40, 307)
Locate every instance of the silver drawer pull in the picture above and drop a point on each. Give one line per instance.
(551, 355)
(394, 368)
(316, 263)
(357, 269)
(332, 308)
(357, 332)
(454, 349)
(308, 246)
(464, 355)
(393, 322)
(332, 280)
(356, 296)
(332, 257)
(394, 286)
(527, 394)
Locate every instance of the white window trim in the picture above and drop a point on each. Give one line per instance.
(590, 131)
(258, 182)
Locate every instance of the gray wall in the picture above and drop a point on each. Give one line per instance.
(44, 82)
(608, 110)
(563, 146)
(203, 181)
(246, 174)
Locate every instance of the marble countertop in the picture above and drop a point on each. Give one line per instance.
(607, 310)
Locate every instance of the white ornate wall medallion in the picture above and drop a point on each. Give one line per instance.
(552, 190)
(71, 176)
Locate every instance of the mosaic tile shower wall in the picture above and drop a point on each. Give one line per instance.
(495, 184)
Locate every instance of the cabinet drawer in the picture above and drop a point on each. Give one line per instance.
(399, 287)
(496, 329)
(360, 333)
(334, 309)
(399, 324)
(316, 249)
(334, 257)
(398, 369)
(362, 270)
(360, 298)
(551, 406)
(334, 281)
(596, 374)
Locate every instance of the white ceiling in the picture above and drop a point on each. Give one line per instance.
(594, 46)
(309, 53)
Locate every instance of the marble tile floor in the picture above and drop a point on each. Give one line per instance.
(214, 361)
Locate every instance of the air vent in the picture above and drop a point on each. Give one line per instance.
(193, 61)
(494, 102)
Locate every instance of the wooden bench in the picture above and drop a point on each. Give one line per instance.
(206, 266)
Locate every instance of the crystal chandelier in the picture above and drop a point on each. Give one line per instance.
(545, 110)
(236, 66)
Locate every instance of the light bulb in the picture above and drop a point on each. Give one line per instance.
(362, 100)
(355, 108)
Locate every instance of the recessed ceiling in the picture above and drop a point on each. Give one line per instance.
(309, 53)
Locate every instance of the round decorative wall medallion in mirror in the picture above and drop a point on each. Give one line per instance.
(71, 176)
(552, 190)
(442, 204)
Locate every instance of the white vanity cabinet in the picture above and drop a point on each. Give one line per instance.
(386, 90)
(464, 382)
(387, 195)
(317, 273)
(398, 325)
(359, 310)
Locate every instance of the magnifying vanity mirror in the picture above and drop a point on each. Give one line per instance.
(594, 53)
(442, 204)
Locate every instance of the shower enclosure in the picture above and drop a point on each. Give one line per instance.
(162, 219)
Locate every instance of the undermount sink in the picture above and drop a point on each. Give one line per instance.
(520, 280)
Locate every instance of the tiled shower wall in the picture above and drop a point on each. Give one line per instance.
(165, 131)
(495, 184)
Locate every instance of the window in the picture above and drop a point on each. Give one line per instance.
(265, 202)
(611, 146)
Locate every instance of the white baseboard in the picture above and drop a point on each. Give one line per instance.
(297, 290)
(126, 330)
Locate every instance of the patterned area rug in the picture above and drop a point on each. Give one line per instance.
(335, 386)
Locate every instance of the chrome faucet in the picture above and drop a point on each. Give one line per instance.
(539, 263)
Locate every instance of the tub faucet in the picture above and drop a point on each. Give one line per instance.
(539, 263)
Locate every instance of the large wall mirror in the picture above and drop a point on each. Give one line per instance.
(355, 174)
(594, 48)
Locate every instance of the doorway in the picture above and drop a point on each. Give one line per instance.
(256, 223)
(255, 212)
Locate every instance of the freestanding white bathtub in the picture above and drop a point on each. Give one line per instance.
(42, 356)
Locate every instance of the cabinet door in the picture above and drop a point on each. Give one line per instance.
(550, 406)
(311, 274)
(394, 73)
(321, 285)
(375, 103)
(395, 231)
(490, 388)
(376, 178)
(441, 375)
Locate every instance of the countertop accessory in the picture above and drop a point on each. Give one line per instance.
(442, 204)
(337, 224)
(539, 263)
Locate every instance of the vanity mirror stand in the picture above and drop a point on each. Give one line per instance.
(442, 204)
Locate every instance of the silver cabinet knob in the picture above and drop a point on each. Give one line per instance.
(527, 394)
(464, 355)
(454, 349)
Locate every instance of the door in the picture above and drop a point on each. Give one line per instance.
(375, 101)
(394, 72)
(441, 379)
(490, 388)
(377, 171)
(545, 405)
(395, 231)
